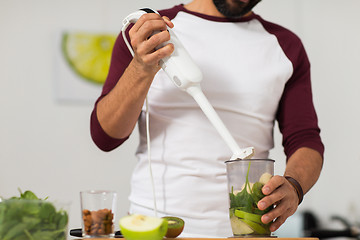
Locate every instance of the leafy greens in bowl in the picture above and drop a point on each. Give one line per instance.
(29, 217)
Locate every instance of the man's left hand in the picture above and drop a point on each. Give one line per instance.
(280, 193)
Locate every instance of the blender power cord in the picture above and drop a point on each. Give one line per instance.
(147, 126)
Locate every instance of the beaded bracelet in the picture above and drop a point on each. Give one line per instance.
(297, 187)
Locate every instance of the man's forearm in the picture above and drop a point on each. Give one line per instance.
(305, 166)
(119, 110)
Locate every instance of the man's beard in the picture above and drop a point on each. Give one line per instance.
(235, 10)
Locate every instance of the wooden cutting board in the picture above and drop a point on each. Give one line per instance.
(231, 238)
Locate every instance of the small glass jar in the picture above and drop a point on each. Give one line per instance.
(98, 213)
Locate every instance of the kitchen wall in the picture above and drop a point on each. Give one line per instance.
(45, 144)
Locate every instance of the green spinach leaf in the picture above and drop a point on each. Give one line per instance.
(30, 218)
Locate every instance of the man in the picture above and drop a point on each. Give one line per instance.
(255, 72)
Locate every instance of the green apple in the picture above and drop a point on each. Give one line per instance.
(265, 178)
(239, 227)
(141, 227)
(249, 216)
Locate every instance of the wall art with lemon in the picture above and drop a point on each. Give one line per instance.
(82, 64)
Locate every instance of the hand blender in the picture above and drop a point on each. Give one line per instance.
(186, 75)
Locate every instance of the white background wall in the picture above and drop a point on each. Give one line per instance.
(45, 146)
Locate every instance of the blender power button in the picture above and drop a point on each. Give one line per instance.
(177, 81)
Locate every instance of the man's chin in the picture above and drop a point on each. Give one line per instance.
(235, 8)
(238, 3)
(243, 1)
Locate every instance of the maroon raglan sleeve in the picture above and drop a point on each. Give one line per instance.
(120, 59)
(296, 114)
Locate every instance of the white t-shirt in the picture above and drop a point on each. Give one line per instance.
(244, 73)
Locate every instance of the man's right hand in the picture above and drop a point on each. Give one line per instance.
(119, 110)
(144, 41)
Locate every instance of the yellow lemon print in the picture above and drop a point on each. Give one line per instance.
(89, 54)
